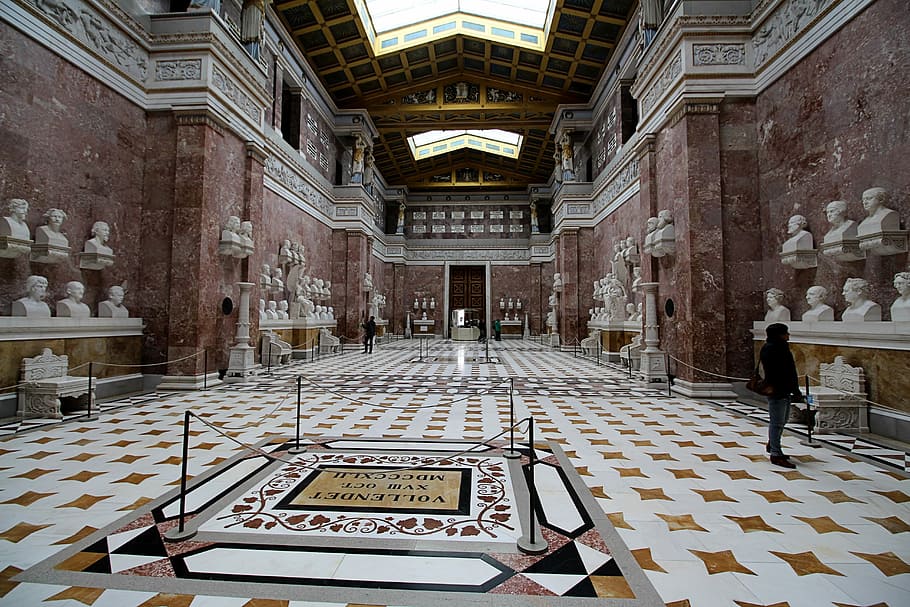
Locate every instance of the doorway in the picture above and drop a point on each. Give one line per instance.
(468, 290)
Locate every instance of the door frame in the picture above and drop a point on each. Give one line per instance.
(486, 295)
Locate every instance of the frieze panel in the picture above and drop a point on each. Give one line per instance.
(626, 176)
(346, 212)
(540, 250)
(94, 30)
(468, 255)
(578, 209)
(667, 76)
(275, 169)
(718, 54)
(393, 250)
(178, 69)
(235, 94)
(787, 20)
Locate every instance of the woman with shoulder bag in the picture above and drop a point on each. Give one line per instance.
(780, 373)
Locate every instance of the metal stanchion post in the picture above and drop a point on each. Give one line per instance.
(297, 448)
(809, 442)
(269, 364)
(531, 544)
(88, 416)
(511, 453)
(205, 369)
(180, 533)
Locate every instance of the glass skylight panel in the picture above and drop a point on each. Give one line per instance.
(406, 22)
(434, 143)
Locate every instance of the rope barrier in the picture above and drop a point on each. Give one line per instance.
(707, 372)
(166, 362)
(429, 462)
(851, 394)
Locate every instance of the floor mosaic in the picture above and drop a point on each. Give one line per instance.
(685, 485)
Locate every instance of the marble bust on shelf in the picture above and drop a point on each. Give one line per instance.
(113, 306)
(72, 305)
(230, 238)
(663, 241)
(15, 236)
(900, 309)
(818, 310)
(96, 255)
(859, 308)
(777, 311)
(246, 240)
(51, 246)
(799, 251)
(649, 235)
(879, 233)
(33, 305)
(841, 241)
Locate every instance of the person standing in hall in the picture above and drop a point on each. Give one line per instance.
(497, 330)
(369, 332)
(780, 372)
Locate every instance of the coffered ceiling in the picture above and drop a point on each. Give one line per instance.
(459, 82)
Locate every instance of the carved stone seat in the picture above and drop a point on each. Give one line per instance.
(328, 343)
(631, 352)
(840, 400)
(45, 382)
(272, 346)
(591, 345)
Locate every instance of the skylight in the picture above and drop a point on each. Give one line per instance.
(493, 141)
(395, 24)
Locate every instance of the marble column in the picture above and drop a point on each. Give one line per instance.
(567, 313)
(653, 369)
(242, 363)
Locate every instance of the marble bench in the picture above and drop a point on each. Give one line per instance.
(45, 381)
(840, 401)
(328, 343)
(274, 349)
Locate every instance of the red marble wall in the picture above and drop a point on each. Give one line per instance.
(510, 281)
(831, 127)
(72, 143)
(429, 279)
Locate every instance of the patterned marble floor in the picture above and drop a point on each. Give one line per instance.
(686, 484)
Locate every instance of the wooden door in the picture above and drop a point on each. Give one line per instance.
(467, 288)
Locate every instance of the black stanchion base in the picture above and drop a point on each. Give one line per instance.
(509, 454)
(810, 443)
(175, 535)
(296, 450)
(539, 546)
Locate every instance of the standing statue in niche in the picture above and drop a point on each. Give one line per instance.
(818, 310)
(113, 307)
(777, 311)
(535, 227)
(650, 18)
(368, 165)
(72, 305)
(568, 154)
(859, 308)
(251, 24)
(557, 163)
(32, 305)
(400, 228)
(357, 158)
(200, 6)
(900, 309)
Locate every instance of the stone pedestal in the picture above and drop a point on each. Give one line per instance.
(242, 363)
(95, 261)
(653, 366)
(884, 243)
(842, 250)
(49, 253)
(800, 259)
(14, 247)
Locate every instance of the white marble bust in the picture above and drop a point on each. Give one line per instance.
(32, 305)
(649, 235)
(262, 314)
(246, 240)
(557, 282)
(331, 313)
(818, 310)
(800, 239)
(72, 305)
(841, 227)
(113, 306)
(663, 241)
(283, 310)
(50, 233)
(367, 281)
(859, 308)
(14, 224)
(777, 311)
(879, 218)
(265, 276)
(900, 309)
(101, 233)
(230, 237)
(277, 284)
(271, 312)
(636, 277)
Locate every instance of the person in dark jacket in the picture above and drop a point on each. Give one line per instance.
(369, 332)
(780, 372)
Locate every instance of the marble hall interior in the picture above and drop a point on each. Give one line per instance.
(409, 303)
